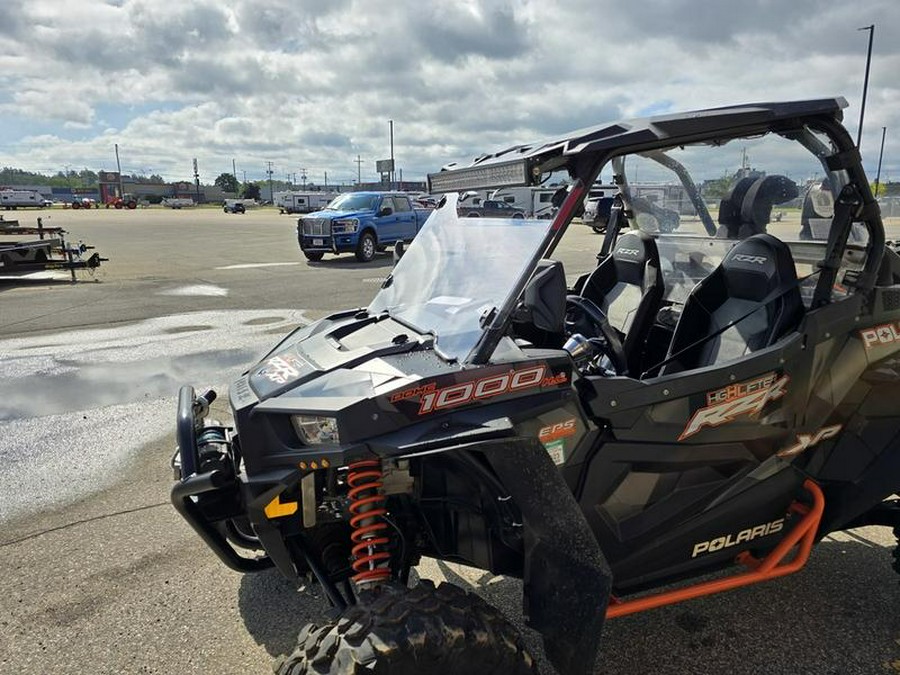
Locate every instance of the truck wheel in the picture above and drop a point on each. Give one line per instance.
(365, 250)
(399, 631)
(315, 256)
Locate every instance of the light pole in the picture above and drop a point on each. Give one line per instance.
(862, 109)
(880, 155)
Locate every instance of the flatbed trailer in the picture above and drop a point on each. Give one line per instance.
(48, 252)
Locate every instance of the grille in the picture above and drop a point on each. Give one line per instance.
(317, 227)
(890, 299)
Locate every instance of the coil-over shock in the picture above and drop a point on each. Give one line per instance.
(371, 555)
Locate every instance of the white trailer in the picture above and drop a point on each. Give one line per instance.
(537, 202)
(303, 202)
(14, 199)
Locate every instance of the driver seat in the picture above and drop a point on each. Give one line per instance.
(756, 286)
(628, 286)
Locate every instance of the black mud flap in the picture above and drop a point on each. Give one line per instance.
(567, 578)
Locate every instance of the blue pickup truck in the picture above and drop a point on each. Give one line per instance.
(361, 223)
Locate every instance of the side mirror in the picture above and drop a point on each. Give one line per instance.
(385, 211)
(399, 250)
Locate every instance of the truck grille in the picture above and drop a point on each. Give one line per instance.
(317, 227)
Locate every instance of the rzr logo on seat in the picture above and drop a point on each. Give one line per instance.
(487, 387)
(744, 398)
(755, 259)
(628, 251)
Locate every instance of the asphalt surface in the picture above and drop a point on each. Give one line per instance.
(100, 575)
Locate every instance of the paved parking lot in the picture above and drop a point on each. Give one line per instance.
(102, 576)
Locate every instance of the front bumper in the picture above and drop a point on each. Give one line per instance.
(194, 485)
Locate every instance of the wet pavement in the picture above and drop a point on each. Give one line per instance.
(75, 406)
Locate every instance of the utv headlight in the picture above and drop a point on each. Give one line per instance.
(315, 430)
(345, 226)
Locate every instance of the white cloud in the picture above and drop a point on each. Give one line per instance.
(313, 84)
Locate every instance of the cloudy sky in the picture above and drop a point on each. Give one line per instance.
(312, 84)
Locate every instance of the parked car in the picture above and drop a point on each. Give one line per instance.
(234, 207)
(491, 208)
(360, 222)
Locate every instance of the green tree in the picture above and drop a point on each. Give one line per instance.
(251, 191)
(227, 182)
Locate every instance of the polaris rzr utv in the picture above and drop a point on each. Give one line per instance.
(713, 395)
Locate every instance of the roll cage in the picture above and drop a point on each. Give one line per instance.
(583, 154)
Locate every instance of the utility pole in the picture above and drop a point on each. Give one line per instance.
(392, 153)
(880, 156)
(303, 177)
(233, 169)
(119, 169)
(245, 176)
(326, 181)
(196, 179)
(271, 194)
(358, 170)
(862, 109)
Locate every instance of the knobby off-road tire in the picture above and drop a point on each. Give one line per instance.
(394, 630)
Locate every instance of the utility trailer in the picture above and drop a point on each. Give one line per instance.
(49, 251)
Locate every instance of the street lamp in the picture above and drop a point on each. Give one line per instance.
(862, 110)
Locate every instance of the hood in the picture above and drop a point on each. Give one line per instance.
(334, 215)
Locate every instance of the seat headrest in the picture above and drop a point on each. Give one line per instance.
(757, 266)
(633, 252)
(748, 207)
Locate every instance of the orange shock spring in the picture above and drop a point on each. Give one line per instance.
(371, 558)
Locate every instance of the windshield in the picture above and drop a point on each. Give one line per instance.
(456, 271)
(353, 201)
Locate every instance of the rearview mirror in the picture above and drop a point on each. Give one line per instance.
(399, 250)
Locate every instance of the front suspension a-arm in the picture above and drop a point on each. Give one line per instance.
(567, 579)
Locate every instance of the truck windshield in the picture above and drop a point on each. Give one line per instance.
(352, 201)
(456, 271)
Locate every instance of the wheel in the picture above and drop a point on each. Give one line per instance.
(399, 631)
(225, 210)
(474, 214)
(518, 216)
(315, 256)
(365, 250)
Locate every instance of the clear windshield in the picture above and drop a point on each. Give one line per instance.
(456, 271)
(352, 201)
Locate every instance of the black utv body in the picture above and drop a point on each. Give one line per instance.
(713, 394)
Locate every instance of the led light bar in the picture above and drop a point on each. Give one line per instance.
(505, 174)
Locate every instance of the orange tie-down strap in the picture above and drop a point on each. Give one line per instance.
(770, 567)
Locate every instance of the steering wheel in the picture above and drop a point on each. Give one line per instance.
(580, 310)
